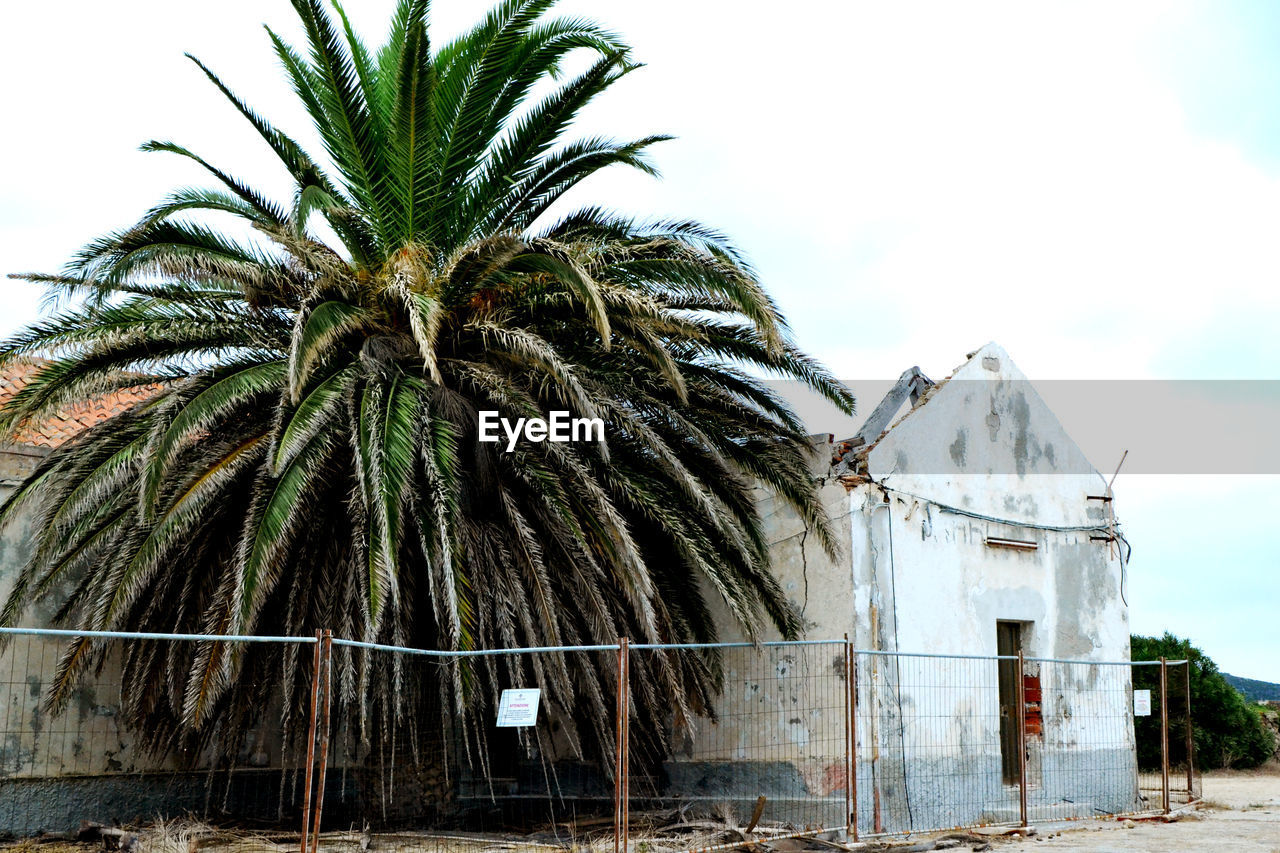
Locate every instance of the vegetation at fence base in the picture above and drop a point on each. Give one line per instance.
(306, 376)
(1227, 730)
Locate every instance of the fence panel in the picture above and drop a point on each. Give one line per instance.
(1166, 750)
(929, 744)
(952, 741)
(434, 768)
(762, 741)
(72, 762)
(1081, 759)
(1184, 769)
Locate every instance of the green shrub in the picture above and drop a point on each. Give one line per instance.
(1227, 731)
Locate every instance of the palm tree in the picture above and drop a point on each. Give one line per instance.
(307, 453)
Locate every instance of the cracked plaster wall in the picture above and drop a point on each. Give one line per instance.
(916, 576)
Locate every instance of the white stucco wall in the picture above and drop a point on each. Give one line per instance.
(984, 443)
(981, 456)
(83, 763)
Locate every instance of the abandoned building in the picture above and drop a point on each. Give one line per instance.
(966, 498)
(970, 525)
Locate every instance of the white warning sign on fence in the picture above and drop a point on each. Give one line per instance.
(1142, 703)
(519, 707)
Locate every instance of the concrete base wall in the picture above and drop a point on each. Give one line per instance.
(970, 790)
(59, 804)
(922, 795)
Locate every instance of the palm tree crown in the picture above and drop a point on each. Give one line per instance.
(308, 456)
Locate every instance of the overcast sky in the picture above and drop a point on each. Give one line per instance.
(1094, 186)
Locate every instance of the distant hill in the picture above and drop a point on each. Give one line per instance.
(1254, 690)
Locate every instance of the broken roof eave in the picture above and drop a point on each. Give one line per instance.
(849, 459)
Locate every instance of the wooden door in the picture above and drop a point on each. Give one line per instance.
(1009, 642)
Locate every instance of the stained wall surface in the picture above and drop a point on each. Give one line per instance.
(974, 507)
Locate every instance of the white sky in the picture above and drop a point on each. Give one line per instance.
(911, 179)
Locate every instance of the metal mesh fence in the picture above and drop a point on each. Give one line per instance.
(677, 747)
(956, 741)
(1168, 772)
(1184, 772)
(446, 764)
(1080, 757)
(80, 751)
(1145, 680)
(929, 744)
(766, 748)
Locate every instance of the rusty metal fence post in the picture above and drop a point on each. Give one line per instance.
(326, 660)
(622, 756)
(1164, 734)
(626, 749)
(321, 705)
(850, 742)
(1022, 740)
(1191, 746)
(311, 740)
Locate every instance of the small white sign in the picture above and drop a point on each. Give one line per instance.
(1142, 703)
(519, 707)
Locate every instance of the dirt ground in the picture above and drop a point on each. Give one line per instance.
(1241, 813)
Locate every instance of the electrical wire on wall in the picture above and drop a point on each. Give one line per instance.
(1012, 522)
(1112, 530)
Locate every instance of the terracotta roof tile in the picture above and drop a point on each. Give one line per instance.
(69, 421)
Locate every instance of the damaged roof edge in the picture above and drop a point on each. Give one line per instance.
(848, 457)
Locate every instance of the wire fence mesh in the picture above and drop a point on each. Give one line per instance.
(929, 734)
(952, 741)
(443, 764)
(85, 746)
(1183, 769)
(1081, 760)
(768, 746)
(1168, 772)
(679, 747)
